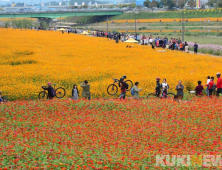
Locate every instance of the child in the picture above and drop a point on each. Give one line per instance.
(199, 89)
(75, 92)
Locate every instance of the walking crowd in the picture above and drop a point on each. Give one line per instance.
(172, 43)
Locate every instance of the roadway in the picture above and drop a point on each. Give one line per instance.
(58, 14)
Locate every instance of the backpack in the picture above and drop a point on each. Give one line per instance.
(213, 88)
(53, 92)
(132, 92)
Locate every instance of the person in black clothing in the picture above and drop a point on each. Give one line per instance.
(50, 90)
(158, 87)
(195, 47)
(123, 87)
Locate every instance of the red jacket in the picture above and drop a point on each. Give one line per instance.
(219, 83)
(211, 83)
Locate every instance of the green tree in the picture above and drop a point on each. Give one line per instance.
(44, 25)
(179, 3)
(169, 3)
(133, 5)
(7, 24)
(192, 3)
(146, 3)
(211, 2)
(219, 4)
(154, 4)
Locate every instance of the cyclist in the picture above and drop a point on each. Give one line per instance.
(219, 83)
(51, 91)
(158, 86)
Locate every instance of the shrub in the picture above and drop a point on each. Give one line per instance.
(187, 33)
(220, 34)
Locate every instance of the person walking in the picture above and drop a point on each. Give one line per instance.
(75, 92)
(195, 48)
(179, 89)
(219, 84)
(86, 90)
(123, 90)
(199, 89)
(136, 90)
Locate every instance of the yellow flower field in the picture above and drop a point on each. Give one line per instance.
(167, 20)
(11, 19)
(30, 59)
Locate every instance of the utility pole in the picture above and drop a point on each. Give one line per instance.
(107, 23)
(135, 22)
(183, 26)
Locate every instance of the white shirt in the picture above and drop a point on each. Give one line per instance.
(164, 85)
(151, 40)
(208, 81)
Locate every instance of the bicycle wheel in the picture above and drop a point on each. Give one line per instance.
(60, 92)
(130, 83)
(151, 95)
(112, 89)
(5, 99)
(170, 95)
(43, 95)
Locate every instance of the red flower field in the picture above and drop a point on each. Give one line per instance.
(106, 134)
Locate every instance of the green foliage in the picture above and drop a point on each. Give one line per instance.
(172, 14)
(169, 3)
(187, 33)
(142, 28)
(22, 23)
(146, 3)
(220, 34)
(44, 25)
(7, 24)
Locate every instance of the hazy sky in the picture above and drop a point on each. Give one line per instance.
(4, 2)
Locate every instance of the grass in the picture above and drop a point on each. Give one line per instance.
(174, 14)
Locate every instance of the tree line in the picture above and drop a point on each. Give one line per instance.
(179, 3)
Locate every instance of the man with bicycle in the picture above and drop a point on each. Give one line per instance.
(158, 87)
(51, 92)
(123, 86)
(219, 84)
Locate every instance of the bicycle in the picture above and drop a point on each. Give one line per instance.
(169, 95)
(59, 93)
(112, 89)
(5, 99)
